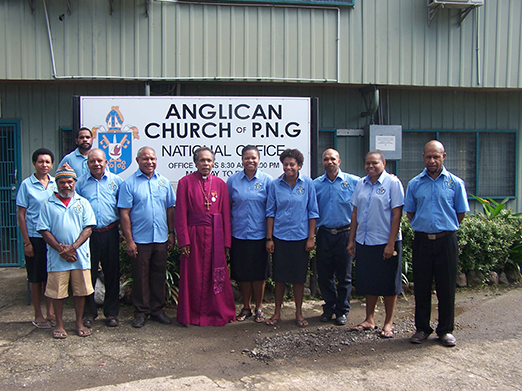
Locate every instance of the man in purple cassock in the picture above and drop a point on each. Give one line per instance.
(203, 230)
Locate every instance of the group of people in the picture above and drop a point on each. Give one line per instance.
(251, 219)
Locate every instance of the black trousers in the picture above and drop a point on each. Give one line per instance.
(334, 263)
(435, 260)
(148, 273)
(105, 249)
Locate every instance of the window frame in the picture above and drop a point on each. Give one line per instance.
(477, 132)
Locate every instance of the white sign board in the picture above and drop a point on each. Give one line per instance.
(176, 126)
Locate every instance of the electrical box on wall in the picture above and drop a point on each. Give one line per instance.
(387, 138)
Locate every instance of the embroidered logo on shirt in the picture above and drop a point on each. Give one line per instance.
(112, 186)
(213, 195)
(161, 183)
(53, 187)
(78, 208)
(381, 190)
(449, 184)
(345, 185)
(258, 186)
(300, 190)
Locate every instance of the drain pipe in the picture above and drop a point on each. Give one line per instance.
(477, 19)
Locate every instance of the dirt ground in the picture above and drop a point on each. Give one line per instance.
(246, 355)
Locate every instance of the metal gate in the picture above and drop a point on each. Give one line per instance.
(10, 239)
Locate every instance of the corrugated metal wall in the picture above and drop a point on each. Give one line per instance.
(382, 42)
(46, 107)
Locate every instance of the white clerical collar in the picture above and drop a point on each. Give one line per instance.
(204, 177)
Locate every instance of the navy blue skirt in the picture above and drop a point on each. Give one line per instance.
(374, 275)
(249, 260)
(290, 261)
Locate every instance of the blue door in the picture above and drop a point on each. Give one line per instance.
(11, 249)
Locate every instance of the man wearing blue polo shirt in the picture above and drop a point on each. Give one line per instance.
(334, 190)
(146, 204)
(435, 203)
(77, 159)
(65, 223)
(102, 188)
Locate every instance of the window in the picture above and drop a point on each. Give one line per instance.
(68, 142)
(485, 160)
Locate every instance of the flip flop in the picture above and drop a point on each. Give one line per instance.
(386, 334)
(52, 322)
(360, 327)
(83, 332)
(59, 334)
(259, 316)
(245, 313)
(41, 324)
(272, 321)
(301, 322)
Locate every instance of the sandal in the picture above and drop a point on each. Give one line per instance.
(59, 334)
(245, 313)
(259, 316)
(41, 324)
(272, 321)
(301, 322)
(361, 327)
(386, 333)
(83, 332)
(52, 322)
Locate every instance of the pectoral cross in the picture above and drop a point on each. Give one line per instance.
(208, 204)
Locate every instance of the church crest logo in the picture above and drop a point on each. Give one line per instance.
(300, 190)
(115, 139)
(449, 184)
(258, 186)
(381, 190)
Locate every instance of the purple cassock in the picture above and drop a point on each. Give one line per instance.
(203, 222)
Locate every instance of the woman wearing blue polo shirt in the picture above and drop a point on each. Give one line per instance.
(33, 191)
(376, 219)
(248, 191)
(291, 212)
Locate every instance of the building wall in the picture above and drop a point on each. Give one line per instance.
(375, 42)
(44, 108)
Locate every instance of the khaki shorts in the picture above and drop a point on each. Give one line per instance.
(58, 284)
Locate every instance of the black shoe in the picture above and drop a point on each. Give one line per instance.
(87, 321)
(138, 322)
(419, 337)
(326, 317)
(447, 340)
(112, 321)
(163, 319)
(341, 320)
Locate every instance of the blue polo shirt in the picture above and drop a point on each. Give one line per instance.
(66, 223)
(436, 202)
(334, 199)
(31, 196)
(103, 196)
(148, 199)
(77, 161)
(374, 204)
(292, 207)
(248, 204)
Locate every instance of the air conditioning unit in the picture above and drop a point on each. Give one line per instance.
(455, 3)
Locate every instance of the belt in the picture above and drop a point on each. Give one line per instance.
(435, 236)
(105, 229)
(335, 231)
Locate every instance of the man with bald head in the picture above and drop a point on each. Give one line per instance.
(334, 190)
(146, 205)
(436, 202)
(101, 187)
